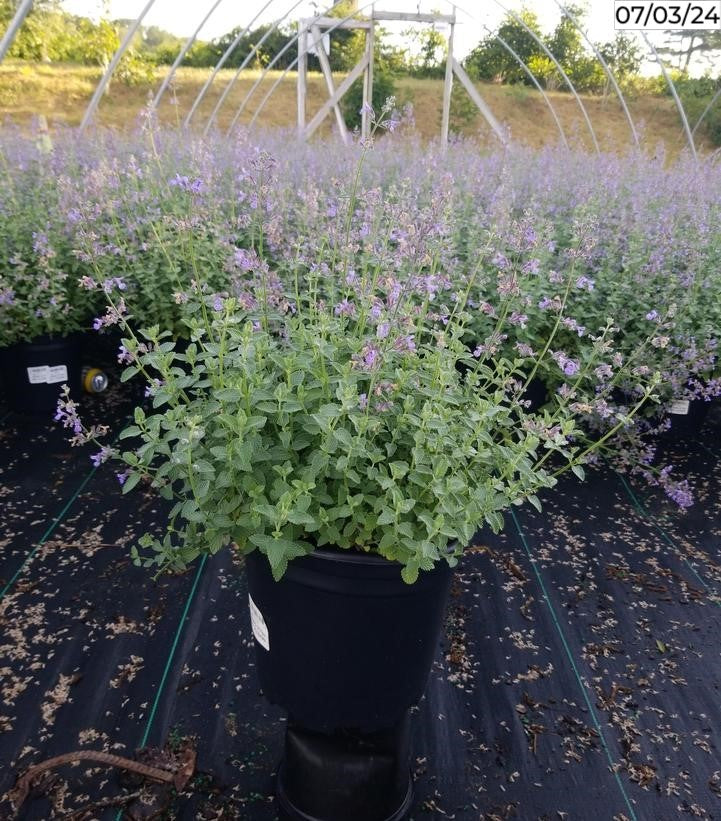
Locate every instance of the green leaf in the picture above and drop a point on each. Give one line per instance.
(387, 517)
(495, 521)
(129, 373)
(228, 395)
(344, 437)
(279, 551)
(130, 482)
(255, 422)
(190, 511)
(296, 517)
(203, 466)
(339, 512)
(409, 574)
(166, 491)
(398, 469)
(266, 510)
(579, 471)
(388, 540)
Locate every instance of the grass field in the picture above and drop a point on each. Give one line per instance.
(61, 93)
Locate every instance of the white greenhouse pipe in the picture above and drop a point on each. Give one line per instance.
(129, 34)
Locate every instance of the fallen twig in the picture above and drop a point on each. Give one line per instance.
(177, 774)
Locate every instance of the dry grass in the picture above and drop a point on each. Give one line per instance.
(61, 93)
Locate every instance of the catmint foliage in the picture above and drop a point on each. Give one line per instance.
(291, 431)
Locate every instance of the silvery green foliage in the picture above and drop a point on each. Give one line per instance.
(292, 431)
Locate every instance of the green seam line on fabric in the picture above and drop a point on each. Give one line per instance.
(642, 510)
(571, 659)
(56, 521)
(169, 661)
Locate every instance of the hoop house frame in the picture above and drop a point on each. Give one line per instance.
(310, 32)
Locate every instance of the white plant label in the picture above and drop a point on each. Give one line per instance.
(38, 375)
(257, 622)
(47, 374)
(680, 407)
(57, 373)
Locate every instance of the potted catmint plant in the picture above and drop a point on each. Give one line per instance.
(333, 427)
(42, 307)
(340, 449)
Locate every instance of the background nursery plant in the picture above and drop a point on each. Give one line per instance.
(39, 291)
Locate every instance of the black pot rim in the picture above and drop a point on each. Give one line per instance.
(357, 557)
(46, 341)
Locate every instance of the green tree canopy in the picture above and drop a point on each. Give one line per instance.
(490, 60)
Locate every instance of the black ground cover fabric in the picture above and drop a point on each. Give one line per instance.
(579, 675)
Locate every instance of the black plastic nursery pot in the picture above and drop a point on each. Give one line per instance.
(687, 417)
(536, 394)
(345, 646)
(33, 372)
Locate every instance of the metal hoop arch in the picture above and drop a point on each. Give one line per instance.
(606, 69)
(112, 65)
(14, 27)
(559, 67)
(503, 43)
(706, 110)
(219, 65)
(181, 55)
(294, 62)
(677, 99)
(530, 74)
(25, 7)
(251, 54)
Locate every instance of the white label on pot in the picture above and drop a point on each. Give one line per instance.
(257, 622)
(57, 373)
(680, 407)
(38, 375)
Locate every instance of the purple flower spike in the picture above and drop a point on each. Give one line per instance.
(124, 356)
(101, 456)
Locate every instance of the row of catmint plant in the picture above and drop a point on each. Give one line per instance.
(552, 245)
